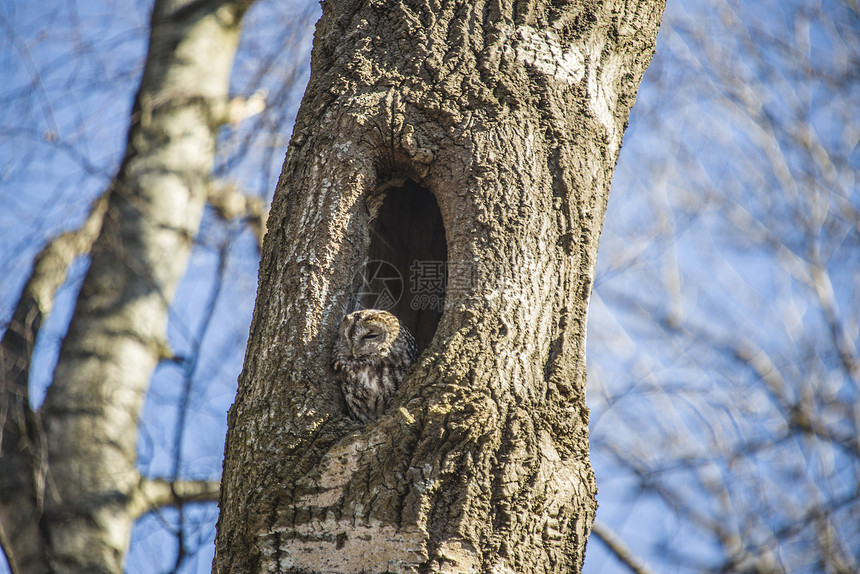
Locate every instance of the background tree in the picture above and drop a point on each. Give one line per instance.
(71, 489)
(725, 320)
(747, 108)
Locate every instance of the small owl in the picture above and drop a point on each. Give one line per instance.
(372, 354)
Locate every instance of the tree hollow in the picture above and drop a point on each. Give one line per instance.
(406, 268)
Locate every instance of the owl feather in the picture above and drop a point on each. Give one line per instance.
(372, 354)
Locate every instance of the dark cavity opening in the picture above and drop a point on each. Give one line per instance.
(406, 271)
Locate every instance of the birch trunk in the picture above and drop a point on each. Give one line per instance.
(70, 488)
(484, 134)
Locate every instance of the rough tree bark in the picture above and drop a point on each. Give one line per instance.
(510, 116)
(69, 488)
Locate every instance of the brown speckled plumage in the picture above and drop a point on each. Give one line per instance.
(372, 353)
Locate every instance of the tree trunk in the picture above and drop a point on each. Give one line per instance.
(70, 488)
(493, 131)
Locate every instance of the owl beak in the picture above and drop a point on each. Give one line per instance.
(352, 351)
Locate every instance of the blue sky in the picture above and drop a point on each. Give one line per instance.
(738, 176)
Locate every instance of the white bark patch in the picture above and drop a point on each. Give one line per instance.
(561, 484)
(542, 50)
(458, 559)
(339, 466)
(349, 546)
(604, 72)
(500, 568)
(342, 547)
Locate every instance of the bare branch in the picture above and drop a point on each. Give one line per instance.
(618, 548)
(156, 493)
(23, 465)
(229, 203)
(242, 108)
(49, 273)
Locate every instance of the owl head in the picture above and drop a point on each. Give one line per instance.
(368, 333)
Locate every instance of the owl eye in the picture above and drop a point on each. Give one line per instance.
(371, 336)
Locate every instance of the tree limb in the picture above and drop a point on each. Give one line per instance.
(158, 492)
(37, 298)
(23, 465)
(618, 548)
(229, 203)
